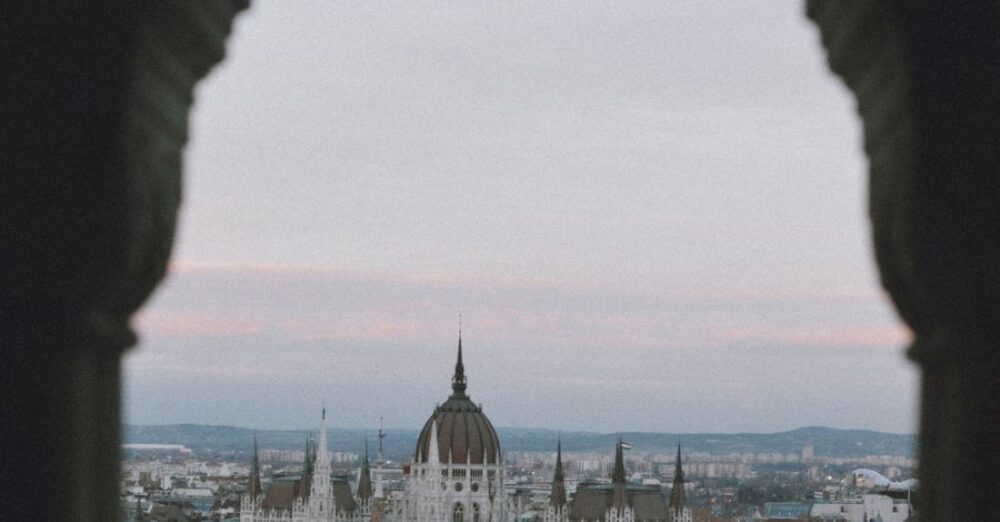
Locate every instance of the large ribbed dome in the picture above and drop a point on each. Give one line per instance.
(462, 429)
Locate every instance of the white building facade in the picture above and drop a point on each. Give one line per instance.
(313, 497)
(869, 508)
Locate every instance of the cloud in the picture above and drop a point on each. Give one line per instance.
(195, 323)
(240, 333)
(308, 303)
(887, 334)
(653, 203)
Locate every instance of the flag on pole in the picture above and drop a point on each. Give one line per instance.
(626, 445)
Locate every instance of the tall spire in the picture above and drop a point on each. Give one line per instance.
(322, 455)
(618, 477)
(559, 470)
(307, 463)
(379, 462)
(558, 496)
(677, 491)
(618, 473)
(305, 483)
(458, 381)
(365, 478)
(320, 490)
(253, 483)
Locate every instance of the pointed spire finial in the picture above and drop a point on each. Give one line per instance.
(677, 497)
(458, 382)
(307, 461)
(618, 473)
(559, 468)
(365, 478)
(253, 482)
(678, 470)
(322, 455)
(557, 497)
(618, 499)
(256, 458)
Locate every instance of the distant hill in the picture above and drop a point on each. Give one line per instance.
(399, 443)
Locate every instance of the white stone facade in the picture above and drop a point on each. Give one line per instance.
(451, 491)
(319, 506)
(438, 489)
(870, 507)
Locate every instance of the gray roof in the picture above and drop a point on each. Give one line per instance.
(591, 502)
(282, 494)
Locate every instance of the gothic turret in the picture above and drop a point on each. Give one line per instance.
(320, 488)
(678, 510)
(677, 492)
(558, 496)
(379, 462)
(305, 483)
(253, 484)
(618, 499)
(365, 479)
(458, 382)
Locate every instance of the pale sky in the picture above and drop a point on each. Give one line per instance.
(650, 214)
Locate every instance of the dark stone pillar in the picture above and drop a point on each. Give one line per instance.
(93, 118)
(926, 75)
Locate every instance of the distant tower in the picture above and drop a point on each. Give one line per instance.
(321, 502)
(305, 483)
(678, 510)
(620, 510)
(365, 496)
(253, 485)
(557, 510)
(251, 501)
(379, 462)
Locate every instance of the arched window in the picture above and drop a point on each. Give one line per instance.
(456, 514)
(475, 513)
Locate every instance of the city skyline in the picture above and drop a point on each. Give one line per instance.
(634, 210)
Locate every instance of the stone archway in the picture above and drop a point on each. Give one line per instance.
(926, 76)
(95, 119)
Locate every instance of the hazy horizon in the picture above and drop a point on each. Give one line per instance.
(651, 215)
(417, 428)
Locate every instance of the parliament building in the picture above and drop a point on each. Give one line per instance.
(456, 475)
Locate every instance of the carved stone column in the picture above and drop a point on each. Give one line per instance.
(93, 119)
(926, 75)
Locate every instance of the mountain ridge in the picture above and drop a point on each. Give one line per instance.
(399, 442)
